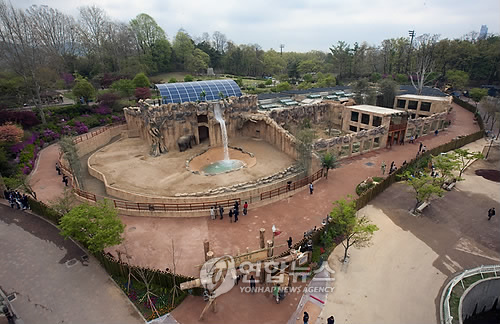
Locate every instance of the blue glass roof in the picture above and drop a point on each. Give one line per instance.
(190, 91)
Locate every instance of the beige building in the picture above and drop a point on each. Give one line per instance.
(422, 106)
(363, 117)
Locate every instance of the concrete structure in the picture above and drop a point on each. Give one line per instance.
(363, 117)
(422, 106)
(482, 296)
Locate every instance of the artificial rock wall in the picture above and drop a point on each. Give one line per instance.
(187, 118)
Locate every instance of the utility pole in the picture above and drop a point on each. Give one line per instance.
(412, 34)
(282, 46)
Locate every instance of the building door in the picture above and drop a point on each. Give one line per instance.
(203, 133)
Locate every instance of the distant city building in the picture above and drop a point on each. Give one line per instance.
(483, 32)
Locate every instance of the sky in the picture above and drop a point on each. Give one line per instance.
(301, 26)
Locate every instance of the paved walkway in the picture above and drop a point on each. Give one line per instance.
(44, 179)
(146, 238)
(51, 283)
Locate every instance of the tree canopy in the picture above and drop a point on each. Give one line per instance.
(97, 227)
(355, 230)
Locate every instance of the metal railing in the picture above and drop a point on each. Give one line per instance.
(444, 312)
(101, 130)
(292, 186)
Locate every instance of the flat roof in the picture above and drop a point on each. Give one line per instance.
(420, 97)
(375, 109)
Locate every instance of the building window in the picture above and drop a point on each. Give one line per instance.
(366, 145)
(365, 119)
(413, 116)
(412, 105)
(376, 142)
(377, 121)
(425, 106)
(354, 116)
(401, 103)
(353, 128)
(355, 147)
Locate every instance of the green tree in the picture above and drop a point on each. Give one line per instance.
(125, 87)
(355, 231)
(445, 164)
(465, 159)
(97, 227)
(477, 94)
(141, 81)
(198, 62)
(363, 92)
(68, 148)
(146, 31)
(83, 89)
(328, 161)
(458, 79)
(282, 86)
(325, 81)
(389, 89)
(425, 187)
(183, 47)
(305, 138)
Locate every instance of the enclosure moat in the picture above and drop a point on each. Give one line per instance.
(212, 161)
(127, 165)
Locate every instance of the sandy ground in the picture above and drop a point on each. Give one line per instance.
(128, 165)
(398, 279)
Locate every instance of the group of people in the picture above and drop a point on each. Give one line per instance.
(235, 211)
(64, 177)
(16, 199)
(329, 320)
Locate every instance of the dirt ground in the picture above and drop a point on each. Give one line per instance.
(398, 279)
(128, 165)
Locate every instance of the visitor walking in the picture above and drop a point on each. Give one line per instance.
(289, 241)
(65, 180)
(424, 149)
(58, 169)
(330, 320)
(491, 213)
(252, 284)
(212, 213)
(221, 211)
(402, 141)
(436, 132)
(382, 167)
(420, 147)
(230, 215)
(412, 139)
(245, 208)
(311, 188)
(236, 213)
(306, 318)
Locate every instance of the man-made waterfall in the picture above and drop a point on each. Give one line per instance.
(222, 123)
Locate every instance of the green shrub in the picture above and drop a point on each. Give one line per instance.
(360, 188)
(268, 82)
(261, 85)
(188, 78)
(45, 211)
(172, 80)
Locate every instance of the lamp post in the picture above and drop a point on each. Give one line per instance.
(411, 33)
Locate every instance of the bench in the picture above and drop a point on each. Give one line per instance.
(450, 186)
(421, 208)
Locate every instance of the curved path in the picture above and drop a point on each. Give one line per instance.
(50, 287)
